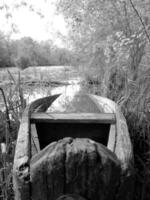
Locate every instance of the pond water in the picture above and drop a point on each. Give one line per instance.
(68, 77)
(40, 92)
(58, 79)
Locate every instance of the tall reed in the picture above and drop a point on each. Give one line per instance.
(14, 105)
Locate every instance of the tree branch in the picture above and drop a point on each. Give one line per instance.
(128, 31)
(145, 30)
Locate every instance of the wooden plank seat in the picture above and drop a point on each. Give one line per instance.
(103, 118)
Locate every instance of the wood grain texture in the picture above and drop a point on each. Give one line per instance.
(122, 146)
(74, 166)
(71, 197)
(120, 143)
(105, 118)
(21, 167)
(35, 145)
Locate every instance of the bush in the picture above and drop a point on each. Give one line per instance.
(23, 62)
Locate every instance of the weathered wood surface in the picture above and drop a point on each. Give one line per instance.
(119, 142)
(75, 166)
(21, 167)
(35, 145)
(70, 197)
(105, 118)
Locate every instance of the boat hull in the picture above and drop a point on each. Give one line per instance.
(84, 116)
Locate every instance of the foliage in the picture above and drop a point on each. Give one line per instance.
(91, 22)
(5, 59)
(27, 52)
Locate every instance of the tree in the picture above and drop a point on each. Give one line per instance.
(92, 22)
(5, 59)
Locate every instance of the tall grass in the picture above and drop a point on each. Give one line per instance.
(14, 104)
(136, 108)
(134, 99)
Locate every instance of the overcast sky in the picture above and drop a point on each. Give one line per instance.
(29, 23)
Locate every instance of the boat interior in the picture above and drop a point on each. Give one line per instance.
(71, 116)
(50, 128)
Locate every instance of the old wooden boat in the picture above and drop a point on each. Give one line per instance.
(48, 167)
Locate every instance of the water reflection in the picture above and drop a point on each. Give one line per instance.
(34, 77)
(31, 96)
(68, 90)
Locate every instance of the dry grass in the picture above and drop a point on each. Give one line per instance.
(134, 100)
(14, 105)
(136, 108)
